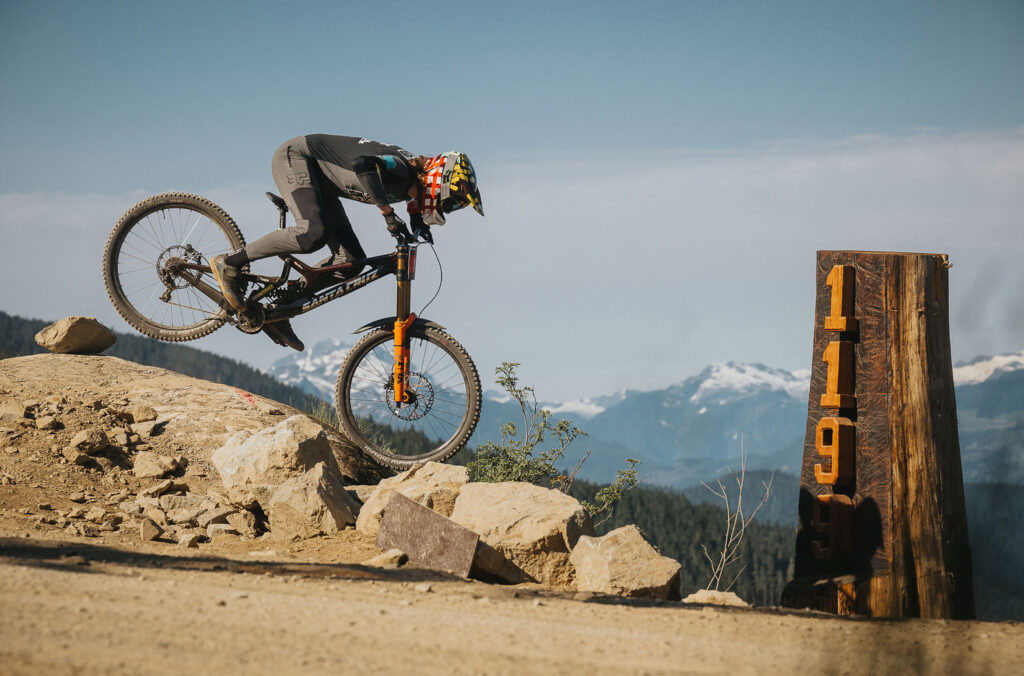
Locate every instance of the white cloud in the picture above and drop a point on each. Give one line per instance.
(604, 273)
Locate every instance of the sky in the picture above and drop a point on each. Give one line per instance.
(657, 176)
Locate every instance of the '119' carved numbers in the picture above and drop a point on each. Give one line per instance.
(835, 437)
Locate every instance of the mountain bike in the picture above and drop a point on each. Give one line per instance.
(407, 392)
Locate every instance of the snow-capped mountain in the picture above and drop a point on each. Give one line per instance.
(691, 429)
(694, 429)
(314, 371)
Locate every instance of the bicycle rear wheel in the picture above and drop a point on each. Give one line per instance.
(157, 230)
(445, 392)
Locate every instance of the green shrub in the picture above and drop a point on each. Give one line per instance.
(517, 457)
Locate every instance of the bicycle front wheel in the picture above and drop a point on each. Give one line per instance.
(444, 404)
(141, 250)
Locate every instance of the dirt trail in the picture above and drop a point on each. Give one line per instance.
(88, 606)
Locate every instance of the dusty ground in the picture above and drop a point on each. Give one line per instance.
(87, 605)
(83, 597)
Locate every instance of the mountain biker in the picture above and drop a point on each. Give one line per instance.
(313, 171)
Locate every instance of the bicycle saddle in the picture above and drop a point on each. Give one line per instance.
(278, 202)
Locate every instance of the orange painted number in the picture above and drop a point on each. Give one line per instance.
(834, 439)
(839, 378)
(841, 279)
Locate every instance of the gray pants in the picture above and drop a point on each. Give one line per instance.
(313, 200)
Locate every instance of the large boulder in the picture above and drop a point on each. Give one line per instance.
(253, 466)
(433, 485)
(76, 335)
(526, 532)
(312, 504)
(622, 562)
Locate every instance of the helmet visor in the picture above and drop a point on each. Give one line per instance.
(453, 203)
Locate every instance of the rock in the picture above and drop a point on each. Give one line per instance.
(10, 409)
(46, 422)
(361, 493)
(149, 530)
(189, 540)
(76, 335)
(118, 437)
(74, 455)
(153, 466)
(155, 514)
(526, 531)
(428, 539)
(184, 516)
(92, 440)
(187, 501)
(118, 497)
(158, 489)
(718, 598)
(312, 504)
(95, 515)
(140, 413)
(392, 558)
(622, 562)
(215, 529)
(215, 515)
(433, 485)
(145, 429)
(252, 467)
(244, 522)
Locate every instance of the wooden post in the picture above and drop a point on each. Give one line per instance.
(883, 528)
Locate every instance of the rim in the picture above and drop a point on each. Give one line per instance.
(152, 240)
(431, 421)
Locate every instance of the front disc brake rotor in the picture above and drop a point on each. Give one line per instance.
(420, 398)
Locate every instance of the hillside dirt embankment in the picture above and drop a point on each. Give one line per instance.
(81, 594)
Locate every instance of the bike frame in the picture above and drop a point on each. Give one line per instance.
(401, 263)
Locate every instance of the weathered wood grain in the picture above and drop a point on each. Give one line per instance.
(909, 553)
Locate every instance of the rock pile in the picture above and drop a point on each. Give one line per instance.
(171, 459)
(288, 472)
(531, 534)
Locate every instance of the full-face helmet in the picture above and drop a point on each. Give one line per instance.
(450, 185)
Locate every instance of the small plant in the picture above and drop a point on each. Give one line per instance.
(735, 523)
(625, 480)
(517, 457)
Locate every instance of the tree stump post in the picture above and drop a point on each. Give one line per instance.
(883, 528)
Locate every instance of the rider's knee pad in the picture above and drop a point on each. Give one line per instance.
(309, 235)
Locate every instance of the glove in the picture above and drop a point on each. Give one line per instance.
(397, 228)
(421, 229)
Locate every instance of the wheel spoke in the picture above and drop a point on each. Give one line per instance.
(146, 244)
(434, 420)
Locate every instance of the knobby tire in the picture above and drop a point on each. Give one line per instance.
(135, 245)
(440, 370)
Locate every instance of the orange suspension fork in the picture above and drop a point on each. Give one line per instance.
(404, 273)
(401, 371)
